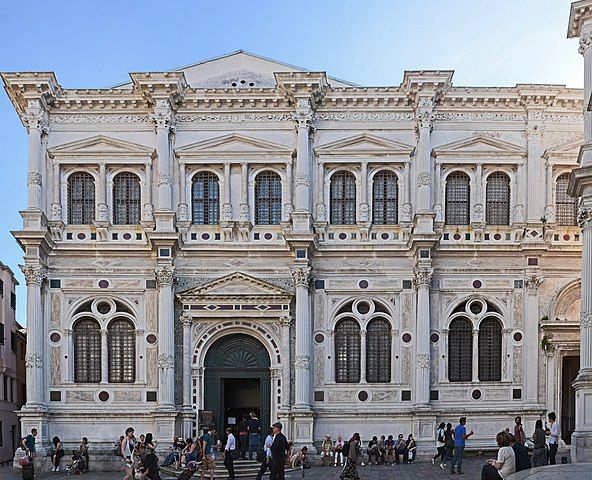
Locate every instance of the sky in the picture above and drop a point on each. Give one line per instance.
(95, 43)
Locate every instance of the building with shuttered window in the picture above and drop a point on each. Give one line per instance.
(242, 234)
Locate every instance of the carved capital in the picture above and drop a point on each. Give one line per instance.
(33, 360)
(56, 211)
(165, 361)
(586, 319)
(302, 362)
(165, 276)
(286, 320)
(36, 119)
(140, 332)
(423, 360)
(186, 319)
(227, 211)
(422, 276)
(34, 275)
(244, 212)
(424, 179)
(533, 282)
(584, 217)
(163, 116)
(321, 214)
(301, 276)
(303, 115)
(585, 42)
(302, 178)
(34, 178)
(164, 180)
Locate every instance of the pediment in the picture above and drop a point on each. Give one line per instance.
(101, 146)
(479, 145)
(569, 150)
(233, 144)
(235, 285)
(364, 144)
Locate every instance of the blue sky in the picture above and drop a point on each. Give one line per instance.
(95, 43)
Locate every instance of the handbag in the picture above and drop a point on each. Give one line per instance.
(24, 461)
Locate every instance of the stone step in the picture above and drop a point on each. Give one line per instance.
(242, 469)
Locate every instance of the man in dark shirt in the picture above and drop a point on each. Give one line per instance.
(279, 447)
(243, 437)
(254, 428)
(521, 454)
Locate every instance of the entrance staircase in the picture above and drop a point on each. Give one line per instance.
(242, 469)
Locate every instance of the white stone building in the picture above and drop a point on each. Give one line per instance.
(243, 234)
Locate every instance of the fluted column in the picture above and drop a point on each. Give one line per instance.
(423, 155)
(163, 119)
(166, 346)
(37, 124)
(244, 205)
(586, 51)
(187, 323)
(475, 373)
(301, 276)
(226, 201)
(148, 212)
(423, 278)
(56, 201)
(35, 275)
(303, 117)
(102, 210)
(286, 322)
(531, 337)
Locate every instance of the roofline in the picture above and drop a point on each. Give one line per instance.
(9, 270)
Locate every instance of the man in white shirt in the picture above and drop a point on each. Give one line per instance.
(505, 464)
(229, 452)
(552, 432)
(266, 460)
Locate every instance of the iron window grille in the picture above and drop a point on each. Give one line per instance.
(268, 198)
(127, 201)
(460, 350)
(81, 198)
(343, 198)
(490, 350)
(378, 351)
(385, 198)
(566, 206)
(205, 199)
(497, 199)
(347, 351)
(458, 199)
(121, 347)
(87, 351)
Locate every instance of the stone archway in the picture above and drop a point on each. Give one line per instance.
(237, 379)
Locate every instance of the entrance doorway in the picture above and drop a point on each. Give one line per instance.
(237, 381)
(569, 370)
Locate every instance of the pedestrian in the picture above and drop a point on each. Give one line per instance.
(338, 450)
(58, 453)
(440, 444)
(254, 428)
(353, 455)
(449, 444)
(521, 455)
(243, 437)
(150, 461)
(519, 431)
(207, 448)
(505, 464)
(279, 449)
(229, 451)
(266, 457)
(552, 432)
(127, 447)
(539, 452)
(460, 436)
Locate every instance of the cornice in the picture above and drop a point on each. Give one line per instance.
(30, 89)
(580, 13)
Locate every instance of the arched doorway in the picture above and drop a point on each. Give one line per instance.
(237, 380)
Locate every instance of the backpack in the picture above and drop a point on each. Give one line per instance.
(345, 450)
(440, 437)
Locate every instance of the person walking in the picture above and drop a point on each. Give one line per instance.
(539, 452)
(243, 437)
(207, 448)
(127, 453)
(553, 433)
(460, 436)
(505, 464)
(353, 455)
(279, 449)
(229, 451)
(266, 459)
(519, 431)
(440, 444)
(449, 444)
(338, 450)
(57, 455)
(254, 428)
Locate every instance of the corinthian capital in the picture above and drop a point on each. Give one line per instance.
(163, 115)
(301, 276)
(303, 115)
(585, 216)
(533, 282)
(166, 361)
(422, 276)
(165, 275)
(585, 41)
(34, 275)
(36, 118)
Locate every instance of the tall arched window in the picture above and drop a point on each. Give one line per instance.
(497, 199)
(490, 350)
(127, 200)
(458, 198)
(121, 346)
(460, 350)
(566, 206)
(86, 336)
(378, 351)
(385, 198)
(205, 199)
(268, 198)
(81, 198)
(347, 351)
(343, 198)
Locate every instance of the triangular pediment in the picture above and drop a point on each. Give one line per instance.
(568, 149)
(479, 145)
(233, 144)
(364, 144)
(102, 146)
(236, 284)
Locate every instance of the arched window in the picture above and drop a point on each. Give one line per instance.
(460, 350)
(343, 198)
(347, 351)
(458, 198)
(121, 346)
(490, 350)
(81, 198)
(497, 199)
(205, 199)
(127, 201)
(566, 206)
(385, 198)
(86, 336)
(378, 351)
(268, 198)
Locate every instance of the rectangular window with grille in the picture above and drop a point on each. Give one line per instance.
(566, 206)
(347, 351)
(490, 350)
(343, 198)
(460, 351)
(378, 351)
(458, 198)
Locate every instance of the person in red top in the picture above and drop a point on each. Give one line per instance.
(519, 431)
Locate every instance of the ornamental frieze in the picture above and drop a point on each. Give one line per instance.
(94, 118)
(233, 118)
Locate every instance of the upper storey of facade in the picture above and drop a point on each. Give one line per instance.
(245, 149)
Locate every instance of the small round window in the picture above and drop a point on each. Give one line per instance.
(363, 308)
(476, 308)
(103, 308)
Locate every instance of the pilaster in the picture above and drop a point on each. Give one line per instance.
(422, 275)
(530, 355)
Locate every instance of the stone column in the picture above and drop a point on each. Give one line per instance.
(530, 351)
(35, 275)
(163, 119)
(550, 208)
(37, 124)
(475, 354)
(56, 201)
(423, 128)
(303, 117)
(148, 212)
(438, 192)
(286, 322)
(182, 209)
(478, 209)
(362, 356)
(288, 206)
(244, 205)
(364, 209)
(187, 357)
(301, 276)
(104, 357)
(519, 213)
(423, 277)
(166, 345)
(406, 213)
(102, 210)
(535, 175)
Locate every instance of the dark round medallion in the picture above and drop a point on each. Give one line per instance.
(406, 337)
(517, 337)
(55, 337)
(384, 236)
(342, 236)
(81, 236)
(476, 394)
(434, 337)
(319, 338)
(151, 338)
(363, 396)
(566, 237)
(457, 236)
(205, 236)
(103, 396)
(103, 284)
(363, 284)
(363, 308)
(476, 308)
(103, 308)
(497, 236)
(268, 236)
(477, 284)
(127, 236)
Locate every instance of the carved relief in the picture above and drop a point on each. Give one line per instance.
(584, 217)
(183, 212)
(364, 212)
(586, 319)
(517, 364)
(33, 360)
(234, 118)
(423, 360)
(55, 372)
(93, 118)
(127, 396)
(422, 276)
(424, 179)
(518, 310)
(34, 274)
(55, 310)
(319, 367)
(79, 396)
(227, 212)
(165, 361)
(34, 178)
(164, 275)
(320, 211)
(302, 362)
(406, 365)
(364, 116)
(301, 276)
(533, 282)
